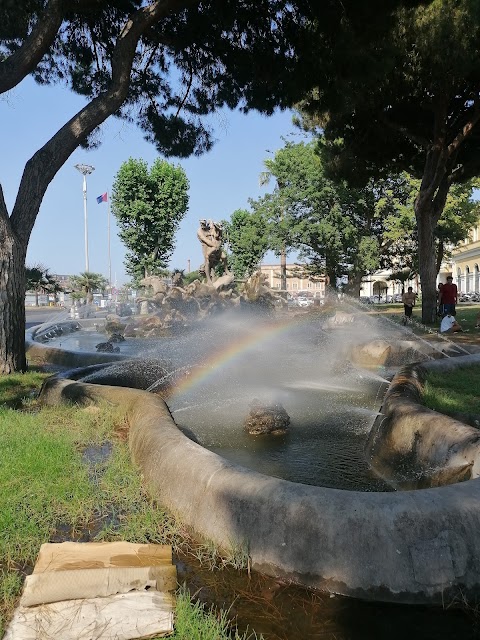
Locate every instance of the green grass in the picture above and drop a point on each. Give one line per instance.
(43, 481)
(453, 392)
(15, 389)
(194, 622)
(466, 315)
(47, 488)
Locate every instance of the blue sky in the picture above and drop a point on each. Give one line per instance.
(220, 181)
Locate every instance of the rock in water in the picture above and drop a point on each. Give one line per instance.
(106, 347)
(267, 418)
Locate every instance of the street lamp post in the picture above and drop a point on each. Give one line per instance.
(85, 170)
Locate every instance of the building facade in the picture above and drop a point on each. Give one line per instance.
(465, 263)
(298, 283)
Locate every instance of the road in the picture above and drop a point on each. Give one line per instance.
(39, 315)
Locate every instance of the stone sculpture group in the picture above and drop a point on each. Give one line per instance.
(166, 309)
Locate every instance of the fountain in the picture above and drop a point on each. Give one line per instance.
(305, 503)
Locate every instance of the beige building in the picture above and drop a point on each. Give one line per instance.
(297, 281)
(378, 284)
(465, 263)
(463, 266)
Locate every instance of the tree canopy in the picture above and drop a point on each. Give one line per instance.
(149, 205)
(409, 101)
(339, 229)
(163, 64)
(342, 230)
(87, 283)
(247, 239)
(40, 280)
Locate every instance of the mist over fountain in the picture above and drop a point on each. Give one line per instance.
(327, 368)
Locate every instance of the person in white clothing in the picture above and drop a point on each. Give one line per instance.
(450, 325)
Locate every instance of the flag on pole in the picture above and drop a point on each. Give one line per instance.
(102, 198)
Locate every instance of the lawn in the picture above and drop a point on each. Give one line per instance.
(454, 392)
(467, 314)
(51, 492)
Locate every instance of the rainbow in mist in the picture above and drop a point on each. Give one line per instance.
(233, 350)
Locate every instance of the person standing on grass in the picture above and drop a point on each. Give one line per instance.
(448, 297)
(408, 300)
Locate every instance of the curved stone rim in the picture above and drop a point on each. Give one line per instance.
(412, 547)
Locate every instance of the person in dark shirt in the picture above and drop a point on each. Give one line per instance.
(448, 297)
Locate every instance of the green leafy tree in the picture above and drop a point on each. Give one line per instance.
(410, 101)
(149, 206)
(342, 230)
(190, 277)
(247, 240)
(460, 214)
(87, 283)
(337, 228)
(162, 64)
(302, 212)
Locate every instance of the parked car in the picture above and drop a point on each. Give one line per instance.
(385, 299)
(304, 302)
(468, 297)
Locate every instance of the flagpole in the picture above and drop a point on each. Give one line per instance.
(109, 253)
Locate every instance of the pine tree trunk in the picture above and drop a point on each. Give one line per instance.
(331, 273)
(355, 284)
(12, 308)
(283, 269)
(440, 256)
(427, 260)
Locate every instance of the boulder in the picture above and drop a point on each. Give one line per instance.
(267, 419)
(106, 347)
(114, 324)
(116, 337)
(374, 353)
(339, 319)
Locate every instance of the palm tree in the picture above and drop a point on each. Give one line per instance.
(88, 282)
(39, 280)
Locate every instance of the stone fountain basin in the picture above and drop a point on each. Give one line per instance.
(410, 546)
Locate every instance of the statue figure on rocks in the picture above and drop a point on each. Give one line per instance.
(156, 282)
(159, 290)
(210, 235)
(257, 291)
(267, 418)
(177, 279)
